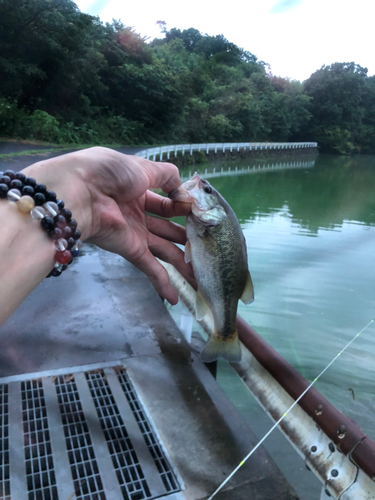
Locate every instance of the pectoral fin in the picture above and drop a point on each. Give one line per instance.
(215, 348)
(248, 293)
(188, 257)
(201, 308)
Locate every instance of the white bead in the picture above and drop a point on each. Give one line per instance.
(78, 245)
(25, 203)
(58, 266)
(51, 208)
(38, 213)
(13, 195)
(61, 244)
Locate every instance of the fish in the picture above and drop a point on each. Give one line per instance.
(216, 248)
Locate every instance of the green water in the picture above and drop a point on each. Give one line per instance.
(310, 232)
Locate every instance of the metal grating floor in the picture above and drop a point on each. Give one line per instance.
(80, 435)
(4, 444)
(153, 445)
(40, 475)
(83, 464)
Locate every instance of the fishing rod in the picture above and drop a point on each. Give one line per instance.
(286, 413)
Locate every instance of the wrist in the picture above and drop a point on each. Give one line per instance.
(33, 240)
(21, 270)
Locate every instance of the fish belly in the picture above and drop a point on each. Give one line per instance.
(220, 268)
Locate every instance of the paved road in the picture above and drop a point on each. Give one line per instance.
(18, 162)
(8, 147)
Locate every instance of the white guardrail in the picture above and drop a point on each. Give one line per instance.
(254, 169)
(220, 147)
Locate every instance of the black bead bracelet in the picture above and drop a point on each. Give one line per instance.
(43, 205)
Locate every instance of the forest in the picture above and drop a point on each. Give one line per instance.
(66, 77)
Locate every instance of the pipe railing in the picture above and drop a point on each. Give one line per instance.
(209, 173)
(331, 444)
(221, 147)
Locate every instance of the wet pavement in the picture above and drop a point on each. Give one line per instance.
(40, 152)
(9, 147)
(102, 310)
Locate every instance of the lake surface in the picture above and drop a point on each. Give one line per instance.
(310, 232)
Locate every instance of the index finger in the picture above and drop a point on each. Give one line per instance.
(163, 175)
(164, 207)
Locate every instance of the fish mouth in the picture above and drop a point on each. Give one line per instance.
(186, 191)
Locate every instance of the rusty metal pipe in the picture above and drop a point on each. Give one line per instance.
(347, 436)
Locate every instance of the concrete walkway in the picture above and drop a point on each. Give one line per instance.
(103, 309)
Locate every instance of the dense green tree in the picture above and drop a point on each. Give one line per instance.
(289, 116)
(228, 95)
(65, 76)
(38, 41)
(341, 97)
(71, 66)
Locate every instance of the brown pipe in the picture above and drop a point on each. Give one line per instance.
(347, 436)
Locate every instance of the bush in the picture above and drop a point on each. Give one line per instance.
(78, 134)
(335, 139)
(43, 127)
(16, 123)
(10, 117)
(125, 131)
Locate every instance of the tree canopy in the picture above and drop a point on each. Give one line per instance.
(342, 108)
(67, 77)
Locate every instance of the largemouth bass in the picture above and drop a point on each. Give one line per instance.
(216, 248)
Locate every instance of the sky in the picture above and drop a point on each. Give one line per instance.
(295, 37)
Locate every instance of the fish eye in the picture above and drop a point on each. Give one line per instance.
(208, 189)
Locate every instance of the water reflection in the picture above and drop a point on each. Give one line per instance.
(256, 167)
(321, 193)
(310, 233)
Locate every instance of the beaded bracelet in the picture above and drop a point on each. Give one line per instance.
(44, 206)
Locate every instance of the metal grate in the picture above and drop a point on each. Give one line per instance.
(64, 436)
(4, 444)
(83, 464)
(128, 470)
(40, 475)
(148, 433)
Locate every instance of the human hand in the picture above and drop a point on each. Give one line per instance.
(109, 195)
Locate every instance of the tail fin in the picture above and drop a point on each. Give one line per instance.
(230, 349)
